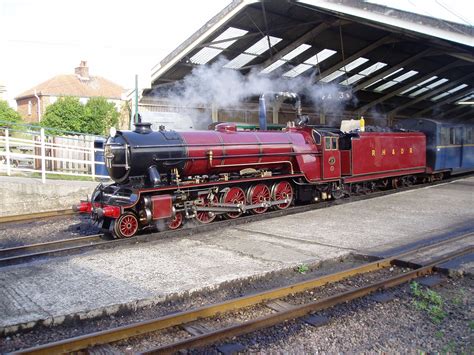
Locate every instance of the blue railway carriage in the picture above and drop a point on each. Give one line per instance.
(449, 146)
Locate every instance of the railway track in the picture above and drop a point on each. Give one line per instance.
(35, 216)
(187, 320)
(23, 254)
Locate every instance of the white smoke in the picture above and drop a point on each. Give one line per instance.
(215, 84)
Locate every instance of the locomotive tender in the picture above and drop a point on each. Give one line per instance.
(163, 178)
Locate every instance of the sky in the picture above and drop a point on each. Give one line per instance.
(121, 38)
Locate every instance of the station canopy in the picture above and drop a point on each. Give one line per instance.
(396, 63)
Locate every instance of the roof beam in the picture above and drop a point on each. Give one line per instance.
(405, 87)
(445, 101)
(390, 70)
(464, 56)
(455, 109)
(360, 53)
(431, 93)
(469, 112)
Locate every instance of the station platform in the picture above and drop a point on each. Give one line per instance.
(106, 281)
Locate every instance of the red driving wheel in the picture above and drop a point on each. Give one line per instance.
(206, 217)
(258, 194)
(176, 221)
(282, 191)
(126, 226)
(236, 196)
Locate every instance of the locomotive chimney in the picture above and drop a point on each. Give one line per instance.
(143, 127)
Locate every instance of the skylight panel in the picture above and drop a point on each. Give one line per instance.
(273, 66)
(294, 53)
(352, 79)
(405, 76)
(437, 83)
(333, 76)
(449, 92)
(419, 85)
(262, 45)
(207, 53)
(231, 32)
(240, 61)
(467, 100)
(252, 52)
(396, 80)
(427, 87)
(364, 73)
(299, 69)
(309, 63)
(354, 64)
(395, 72)
(320, 56)
(342, 70)
(297, 51)
(373, 68)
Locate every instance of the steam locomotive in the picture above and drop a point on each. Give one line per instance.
(164, 178)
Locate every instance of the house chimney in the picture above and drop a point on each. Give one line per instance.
(82, 71)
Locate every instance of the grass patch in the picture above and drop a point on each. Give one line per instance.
(428, 301)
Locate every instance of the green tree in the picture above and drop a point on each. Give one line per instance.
(100, 116)
(8, 114)
(67, 113)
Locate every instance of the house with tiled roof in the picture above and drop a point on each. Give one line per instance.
(32, 103)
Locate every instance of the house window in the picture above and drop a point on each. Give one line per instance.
(29, 107)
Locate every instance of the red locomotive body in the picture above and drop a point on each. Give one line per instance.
(166, 177)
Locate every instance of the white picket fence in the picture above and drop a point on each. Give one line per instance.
(34, 151)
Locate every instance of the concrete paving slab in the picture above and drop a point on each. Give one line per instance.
(143, 274)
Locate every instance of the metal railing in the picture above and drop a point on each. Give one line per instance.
(37, 151)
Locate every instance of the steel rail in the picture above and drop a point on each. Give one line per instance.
(35, 216)
(300, 311)
(28, 252)
(123, 332)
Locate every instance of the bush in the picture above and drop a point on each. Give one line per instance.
(69, 114)
(8, 114)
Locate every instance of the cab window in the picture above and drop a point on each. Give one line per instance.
(328, 143)
(334, 143)
(316, 137)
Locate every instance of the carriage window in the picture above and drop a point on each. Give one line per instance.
(452, 135)
(444, 136)
(334, 143)
(469, 138)
(458, 136)
(328, 143)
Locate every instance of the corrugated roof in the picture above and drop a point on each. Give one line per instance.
(392, 61)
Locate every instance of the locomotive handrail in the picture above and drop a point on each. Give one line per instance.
(208, 144)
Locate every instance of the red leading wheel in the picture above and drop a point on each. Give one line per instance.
(282, 191)
(206, 217)
(176, 221)
(258, 194)
(126, 226)
(236, 196)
